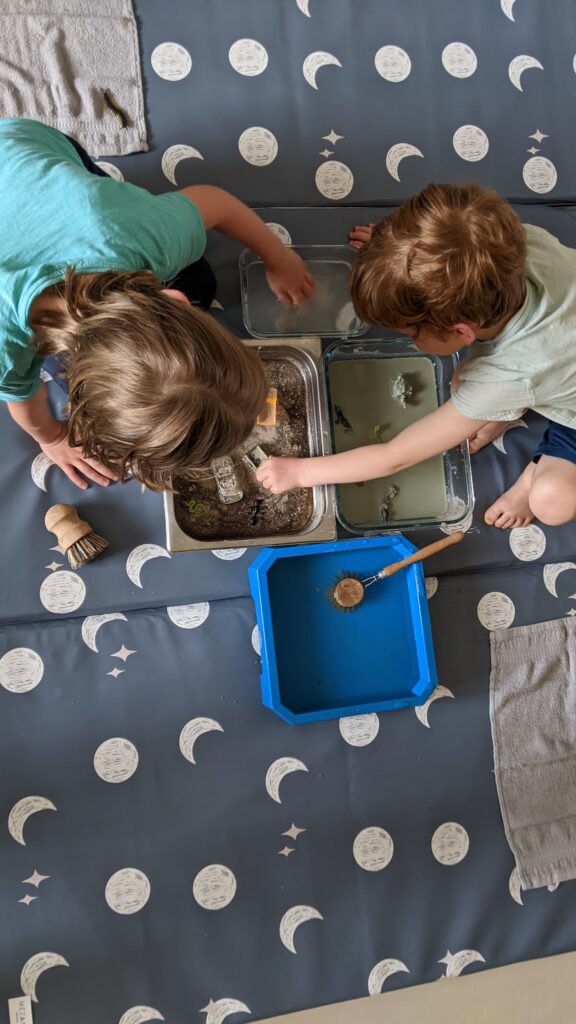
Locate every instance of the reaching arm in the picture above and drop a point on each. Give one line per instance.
(438, 432)
(286, 272)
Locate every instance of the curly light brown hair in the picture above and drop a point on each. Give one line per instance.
(451, 253)
(157, 388)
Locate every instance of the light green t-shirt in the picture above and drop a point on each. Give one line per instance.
(55, 214)
(531, 364)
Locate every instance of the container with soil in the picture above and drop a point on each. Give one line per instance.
(199, 511)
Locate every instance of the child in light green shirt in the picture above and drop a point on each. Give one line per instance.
(156, 386)
(455, 269)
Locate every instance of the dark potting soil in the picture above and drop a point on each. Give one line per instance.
(200, 513)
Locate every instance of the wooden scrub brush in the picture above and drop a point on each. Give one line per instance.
(348, 589)
(75, 535)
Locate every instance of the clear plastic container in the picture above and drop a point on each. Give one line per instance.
(329, 313)
(438, 493)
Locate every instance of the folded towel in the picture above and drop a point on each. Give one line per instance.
(533, 715)
(56, 59)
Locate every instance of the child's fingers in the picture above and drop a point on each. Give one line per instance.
(74, 476)
(94, 475)
(103, 470)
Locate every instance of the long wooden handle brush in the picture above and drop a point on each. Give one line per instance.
(75, 535)
(348, 591)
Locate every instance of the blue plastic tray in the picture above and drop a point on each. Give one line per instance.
(318, 662)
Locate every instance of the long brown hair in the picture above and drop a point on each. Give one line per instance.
(450, 253)
(156, 386)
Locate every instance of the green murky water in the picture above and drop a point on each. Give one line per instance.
(361, 389)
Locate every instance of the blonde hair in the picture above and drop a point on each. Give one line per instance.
(156, 387)
(450, 253)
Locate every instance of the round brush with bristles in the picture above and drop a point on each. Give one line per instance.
(75, 535)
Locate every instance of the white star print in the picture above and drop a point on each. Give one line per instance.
(538, 135)
(59, 549)
(326, 153)
(571, 612)
(35, 879)
(53, 566)
(123, 653)
(293, 831)
(286, 851)
(28, 900)
(332, 138)
(116, 672)
(533, 150)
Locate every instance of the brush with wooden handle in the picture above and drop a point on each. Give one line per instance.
(349, 590)
(75, 535)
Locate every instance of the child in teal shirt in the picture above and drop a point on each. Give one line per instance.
(156, 386)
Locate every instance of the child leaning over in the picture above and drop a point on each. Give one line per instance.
(454, 268)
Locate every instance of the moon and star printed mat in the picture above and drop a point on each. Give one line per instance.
(171, 850)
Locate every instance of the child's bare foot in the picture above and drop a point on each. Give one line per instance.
(512, 508)
(485, 435)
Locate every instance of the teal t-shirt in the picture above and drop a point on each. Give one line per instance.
(55, 214)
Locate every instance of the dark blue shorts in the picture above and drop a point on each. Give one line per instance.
(558, 441)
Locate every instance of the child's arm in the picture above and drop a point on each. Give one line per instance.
(441, 430)
(35, 417)
(286, 272)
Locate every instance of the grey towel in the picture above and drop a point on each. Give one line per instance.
(56, 57)
(533, 715)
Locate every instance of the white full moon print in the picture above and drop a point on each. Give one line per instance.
(334, 180)
(36, 966)
(62, 592)
(189, 616)
(127, 891)
(174, 155)
(214, 887)
(258, 146)
(459, 60)
(315, 61)
(229, 554)
(496, 610)
(539, 174)
(171, 61)
(140, 1015)
(192, 730)
(519, 65)
(450, 843)
(397, 153)
(110, 169)
(527, 542)
(138, 558)
(292, 920)
(116, 760)
(280, 231)
(359, 730)
(373, 849)
(256, 641)
(551, 572)
(392, 63)
(40, 466)
(21, 812)
(248, 57)
(381, 972)
(21, 669)
(470, 142)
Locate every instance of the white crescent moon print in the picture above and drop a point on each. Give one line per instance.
(138, 558)
(21, 812)
(190, 733)
(40, 466)
(292, 920)
(277, 771)
(216, 1012)
(174, 155)
(140, 1015)
(314, 61)
(92, 624)
(523, 62)
(36, 966)
(422, 709)
(397, 153)
(551, 573)
(457, 962)
(381, 972)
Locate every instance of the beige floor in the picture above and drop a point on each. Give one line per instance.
(538, 992)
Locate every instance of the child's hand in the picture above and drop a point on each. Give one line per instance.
(280, 474)
(289, 278)
(360, 236)
(72, 462)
